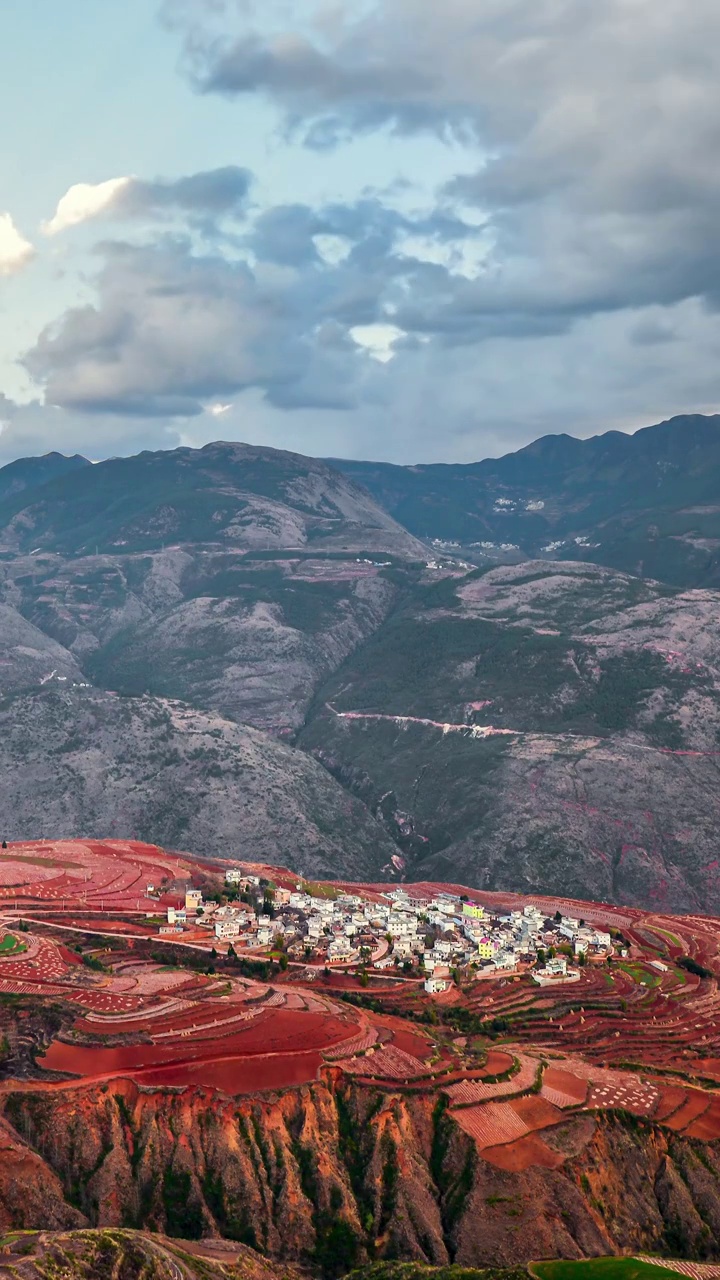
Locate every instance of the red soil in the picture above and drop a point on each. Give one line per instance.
(671, 1099)
(522, 1154)
(535, 1111)
(689, 1111)
(707, 1126)
(411, 1043)
(285, 1033)
(238, 1075)
(497, 1063)
(566, 1084)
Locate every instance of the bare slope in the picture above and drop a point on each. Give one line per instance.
(541, 727)
(80, 762)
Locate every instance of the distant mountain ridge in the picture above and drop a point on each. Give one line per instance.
(233, 494)
(31, 473)
(647, 503)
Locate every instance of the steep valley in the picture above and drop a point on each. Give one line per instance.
(240, 646)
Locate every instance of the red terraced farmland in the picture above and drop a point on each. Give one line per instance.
(284, 1033)
(478, 1090)
(691, 1110)
(358, 1044)
(491, 1124)
(411, 1043)
(389, 1063)
(562, 1088)
(640, 1099)
(240, 1075)
(497, 1062)
(536, 1112)
(671, 1099)
(707, 1126)
(524, 1153)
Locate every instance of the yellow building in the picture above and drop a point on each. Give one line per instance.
(485, 950)
(474, 910)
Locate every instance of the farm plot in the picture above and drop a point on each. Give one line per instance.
(389, 1063)
(469, 1091)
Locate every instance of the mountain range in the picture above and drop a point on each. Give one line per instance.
(646, 503)
(506, 673)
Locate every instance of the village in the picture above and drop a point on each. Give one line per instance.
(401, 931)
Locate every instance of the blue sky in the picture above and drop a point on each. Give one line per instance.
(464, 226)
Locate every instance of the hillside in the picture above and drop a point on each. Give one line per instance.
(77, 762)
(645, 503)
(128, 1255)
(545, 725)
(232, 495)
(540, 727)
(336, 1116)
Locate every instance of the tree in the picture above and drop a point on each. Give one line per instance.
(541, 958)
(283, 962)
(213, 954)
(558, 917)
(4, 844)
(581, 958)
(364, 978)
(232, 953)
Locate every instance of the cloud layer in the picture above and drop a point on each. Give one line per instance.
(568, 278)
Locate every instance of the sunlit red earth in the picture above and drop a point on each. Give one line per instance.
(568, 1048)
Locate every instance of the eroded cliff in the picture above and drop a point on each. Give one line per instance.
(333, 1175)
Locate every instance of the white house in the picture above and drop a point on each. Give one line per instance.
(227, 928)
(435, 986)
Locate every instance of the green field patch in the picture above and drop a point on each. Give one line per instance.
(665, 933)
(640, 975)
(601, 1269)
(11, 946)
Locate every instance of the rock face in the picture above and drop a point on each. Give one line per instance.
(325, 1175)
(76, 762)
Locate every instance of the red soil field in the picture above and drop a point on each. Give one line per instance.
(671, 1099)
(689, 1111)
(411, 1043)
(535, 1111)
(522, 1154)
(286, 1033)
(497, 1063)
(240, 1075)
(707, 1126)
(563, 1088)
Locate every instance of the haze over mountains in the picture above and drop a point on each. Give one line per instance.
(242, 644)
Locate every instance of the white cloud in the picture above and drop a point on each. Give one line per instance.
(214, 193)
(84, 200)
(15, 250)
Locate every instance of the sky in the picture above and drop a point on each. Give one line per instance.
(393, 229)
